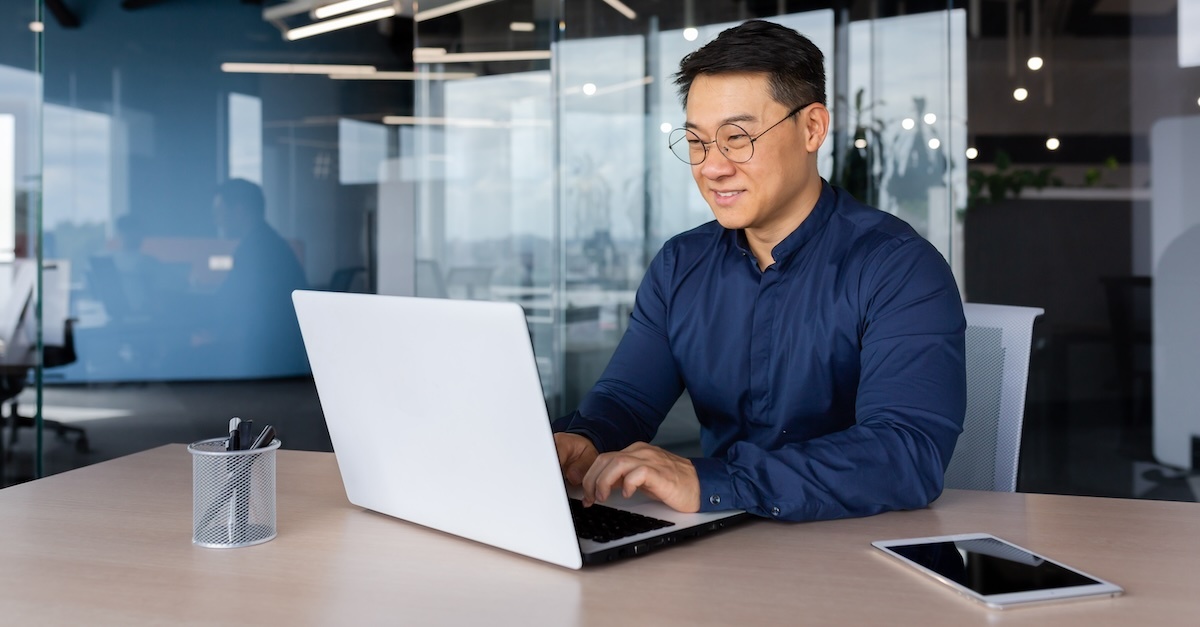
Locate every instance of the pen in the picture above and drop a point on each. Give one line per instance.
(266, 437)
(245, 433)
(234, 440)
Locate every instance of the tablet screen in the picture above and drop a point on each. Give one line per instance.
(989, 566)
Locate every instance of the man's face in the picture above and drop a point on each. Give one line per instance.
(765, 192)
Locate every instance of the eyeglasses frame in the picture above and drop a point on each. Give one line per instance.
(753, 138)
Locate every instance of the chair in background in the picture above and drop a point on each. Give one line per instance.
(998, 345)
(18, 343)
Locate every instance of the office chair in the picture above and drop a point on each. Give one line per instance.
(12, 382)
(998, 345)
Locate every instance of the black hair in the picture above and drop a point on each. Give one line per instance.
(794, 66)
(243, 194)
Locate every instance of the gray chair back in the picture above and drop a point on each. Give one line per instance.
(998, 343)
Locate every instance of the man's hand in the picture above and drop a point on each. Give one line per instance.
(665, 476)
(575, 455)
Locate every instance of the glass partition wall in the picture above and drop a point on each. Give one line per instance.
(20, 245)
(547, 178)
(194, 162)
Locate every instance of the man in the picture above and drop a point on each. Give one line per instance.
(254, 325)
(821, 340)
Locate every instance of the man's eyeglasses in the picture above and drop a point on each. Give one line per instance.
(735, 143)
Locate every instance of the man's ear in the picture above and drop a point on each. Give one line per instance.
(816, 126)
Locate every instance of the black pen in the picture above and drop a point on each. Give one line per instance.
(265, 438)
(245, 433)
(232, 443)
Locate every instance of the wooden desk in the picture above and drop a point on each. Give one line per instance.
(111, 544)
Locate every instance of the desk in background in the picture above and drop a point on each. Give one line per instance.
(111, 544)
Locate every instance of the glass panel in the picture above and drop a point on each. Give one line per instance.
(20, 192)
(486, 221)
(1084, 119)
(535, 173)
(201, 161)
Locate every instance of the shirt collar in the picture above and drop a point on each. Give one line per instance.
(816, 220)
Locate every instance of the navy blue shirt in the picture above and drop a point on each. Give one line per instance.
(832, 384)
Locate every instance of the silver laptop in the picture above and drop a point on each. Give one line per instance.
(436, 414)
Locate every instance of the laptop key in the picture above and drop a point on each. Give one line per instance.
(600, 523)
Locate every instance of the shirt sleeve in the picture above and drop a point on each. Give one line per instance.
(909, 409)
(641, 382)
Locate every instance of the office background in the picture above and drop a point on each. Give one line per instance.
(515, 150)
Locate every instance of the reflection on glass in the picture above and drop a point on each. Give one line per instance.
(1189, 33)
(245, 137)
(8, 185)
(485, 210)
(362, 149)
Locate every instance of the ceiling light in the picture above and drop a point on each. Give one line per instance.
(860, 143)
(908, 123)
(404, 76)
(345, 6)
(1020, 94)
(521, 27)
(690, 34)
(589, 89)
(622, 8)
(665, 127)
(472, 57)
(339, 23)
(1052, 143)
(296, 68)
(1035, 63)
(453, 7)
(930, 118)
(972, 153)
(435, 121)
(37, 27)
(934, 143)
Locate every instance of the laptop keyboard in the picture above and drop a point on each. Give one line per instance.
(605, 524)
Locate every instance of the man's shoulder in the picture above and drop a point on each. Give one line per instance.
(695, 241)
(869, 222)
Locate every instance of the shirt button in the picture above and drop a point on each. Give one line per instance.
(715, 499)
(774, 511)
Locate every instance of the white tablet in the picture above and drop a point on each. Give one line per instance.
(994, 572)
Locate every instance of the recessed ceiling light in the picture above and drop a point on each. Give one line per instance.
(972, 153)
(690, 34)
(1052, 143)
(908, 123)
(521, 27)
(930, 118)
(1035, 63)
(934, 143)
(1020, 94)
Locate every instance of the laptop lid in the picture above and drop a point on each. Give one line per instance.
(436, 415)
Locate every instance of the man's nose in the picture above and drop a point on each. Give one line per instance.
(716, 164)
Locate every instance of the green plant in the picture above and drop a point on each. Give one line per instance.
(859, 172)
(1005, 181)
(1093, 175)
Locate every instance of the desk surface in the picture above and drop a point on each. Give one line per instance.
(111, 543)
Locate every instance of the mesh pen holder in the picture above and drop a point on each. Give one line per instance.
(233, 494)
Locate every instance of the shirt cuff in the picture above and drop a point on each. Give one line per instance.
(716, 486)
